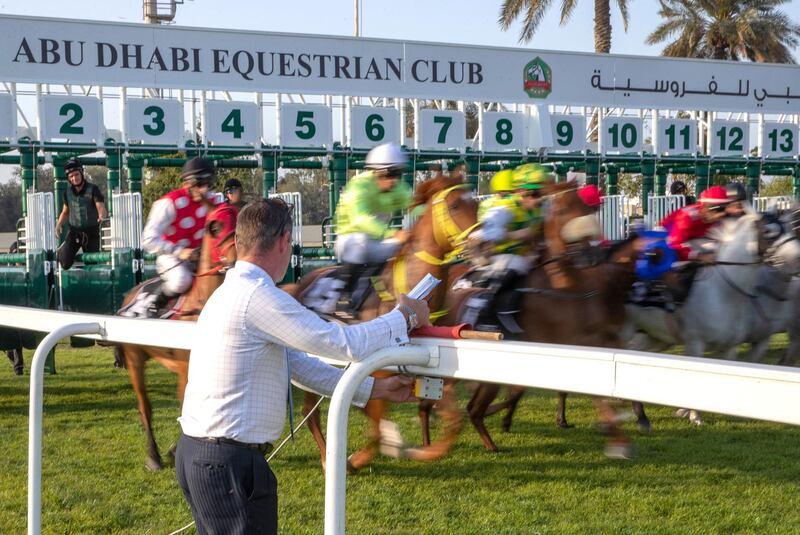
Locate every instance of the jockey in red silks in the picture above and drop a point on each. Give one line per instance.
(694, 221)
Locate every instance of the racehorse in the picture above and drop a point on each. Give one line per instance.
(217, 253)
(717, 313)
(449, 216)
(777, 307)
(571, 296)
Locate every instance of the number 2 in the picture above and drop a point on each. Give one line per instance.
(69, 125)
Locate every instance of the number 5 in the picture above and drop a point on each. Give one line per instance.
(305, 120)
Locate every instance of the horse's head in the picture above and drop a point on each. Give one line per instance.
(568, 221)
(219, 235)
(779, 240)
(451, 212)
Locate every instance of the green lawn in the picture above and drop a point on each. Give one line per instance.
(729, 476)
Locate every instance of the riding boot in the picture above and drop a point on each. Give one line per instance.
(348, 274)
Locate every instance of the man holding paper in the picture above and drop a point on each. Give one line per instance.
(253, 338)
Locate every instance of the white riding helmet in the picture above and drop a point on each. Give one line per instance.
(386, 157)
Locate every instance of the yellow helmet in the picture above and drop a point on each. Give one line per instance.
(530, 176)
(502, 181)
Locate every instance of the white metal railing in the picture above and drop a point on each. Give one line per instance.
(40, 222)
(779, 202)
(736, 388)
(614, 216)
(126, 223)
(296, 201)
(660, 206)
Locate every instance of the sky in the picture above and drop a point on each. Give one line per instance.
(446, 21)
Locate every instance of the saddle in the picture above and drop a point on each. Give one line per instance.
(494, 302)
(669, 291)
(340, 293)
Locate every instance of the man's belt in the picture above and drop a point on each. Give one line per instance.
(263, 448)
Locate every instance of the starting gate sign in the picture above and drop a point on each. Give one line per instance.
(621, 134)
(779, 140)
(306, 125)
(373, 126)
(730, 138)
(232, 123)
(569, 132)
(8, 117)
(502, 131)
(676, 136)
(72, 118)
(442, 130)
(158, 121)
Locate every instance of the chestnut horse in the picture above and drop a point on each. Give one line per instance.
(571, 297)
(450, 214)
(217, 253)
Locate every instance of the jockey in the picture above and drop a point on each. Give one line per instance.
(174, 231)
(363, 214)
(694, 221)
(366, 206)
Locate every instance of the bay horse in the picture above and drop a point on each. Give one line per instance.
(573, 296)
(217, 253)
(449, 216)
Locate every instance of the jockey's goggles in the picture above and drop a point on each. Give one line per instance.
(716, 207)
(533, 193)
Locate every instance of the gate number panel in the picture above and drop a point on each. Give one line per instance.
(71, 118)
(158, 121)
(232, 123)
(305, 125)
(442, 130)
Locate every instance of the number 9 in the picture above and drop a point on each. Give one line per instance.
(564, 133)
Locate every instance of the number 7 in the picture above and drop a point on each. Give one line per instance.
(445, 122)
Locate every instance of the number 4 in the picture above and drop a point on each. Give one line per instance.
(233, 123)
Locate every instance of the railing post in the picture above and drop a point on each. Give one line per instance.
(648, 176)
(35, 417)
(114, 166)
(336, 465)
(268, 173)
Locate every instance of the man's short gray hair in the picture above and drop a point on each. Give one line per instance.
(260, 224)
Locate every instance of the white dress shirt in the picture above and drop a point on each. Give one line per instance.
(248, 335)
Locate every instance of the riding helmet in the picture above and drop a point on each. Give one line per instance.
(73, 164)
(502, 181)
(678, 187)
(386, 157)
(530, 176)
(231, 184)
(198, 172)
(736, 192)
(714, 195)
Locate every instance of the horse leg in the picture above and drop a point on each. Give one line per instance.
(375, 410)
(314, 424)
(424, 411)
(641, 418)
(618, 445)
(561, 413)
(134, 360)
(476, 408)
(450, 415)
(515, 394)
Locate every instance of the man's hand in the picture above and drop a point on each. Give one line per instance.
(187, 254)
(58, 230)
(420, 306)
(395, 388)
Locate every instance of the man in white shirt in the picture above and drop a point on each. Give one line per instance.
(252, 337)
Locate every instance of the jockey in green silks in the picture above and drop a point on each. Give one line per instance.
(367, 205)
(511, 218)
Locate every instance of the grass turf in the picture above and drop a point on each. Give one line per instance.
(728, 476)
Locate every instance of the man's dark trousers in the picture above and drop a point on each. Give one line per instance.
(230, 489)
(86, 239)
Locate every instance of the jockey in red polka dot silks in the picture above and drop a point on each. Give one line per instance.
(174, 230)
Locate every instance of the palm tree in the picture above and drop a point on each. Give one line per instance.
(535, 11)
(753, 30)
